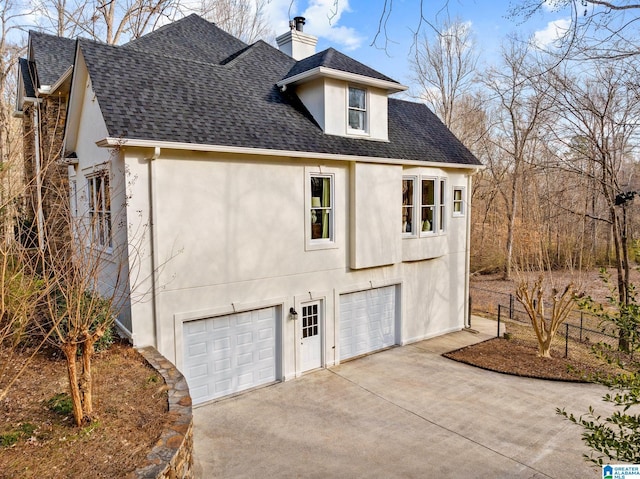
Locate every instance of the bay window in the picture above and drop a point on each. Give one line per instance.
(442, 205)
(428, 206)
(408, 205)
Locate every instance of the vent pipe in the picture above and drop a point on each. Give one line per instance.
(299, 23)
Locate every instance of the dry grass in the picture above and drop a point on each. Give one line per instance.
(131, 409)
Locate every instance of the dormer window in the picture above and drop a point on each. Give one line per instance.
(357, 110)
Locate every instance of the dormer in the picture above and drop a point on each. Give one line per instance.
(344, 96)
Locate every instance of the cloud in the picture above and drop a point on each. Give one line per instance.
(323, 18)
(554, 31)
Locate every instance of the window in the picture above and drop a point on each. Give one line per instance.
(100, 209)
(310, 320)
(458, 201)
(321, 208)
(442, 205)
(428, 206)
(357, 109)
(408, 208)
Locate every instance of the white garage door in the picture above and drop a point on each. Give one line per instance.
(367, 321)
(227, 354)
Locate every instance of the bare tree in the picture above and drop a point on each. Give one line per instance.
(533, 300)
(522, 104)
(598, 29)
(444, 67)
(244, 19)
(599, 109)
(111, 21)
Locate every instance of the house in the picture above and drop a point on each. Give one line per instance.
(41, 101)
(275, 210)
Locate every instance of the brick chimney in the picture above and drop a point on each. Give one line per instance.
(295, 42)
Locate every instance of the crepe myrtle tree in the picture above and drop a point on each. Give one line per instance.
(87, 284)
(532, 297)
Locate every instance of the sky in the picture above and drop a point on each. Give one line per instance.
(350, 27)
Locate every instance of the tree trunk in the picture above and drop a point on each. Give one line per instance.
(70, 350)
(544, 347)
(86, 385)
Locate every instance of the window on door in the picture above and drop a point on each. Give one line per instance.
(310, 320)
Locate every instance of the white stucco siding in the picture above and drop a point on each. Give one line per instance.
(312, 96)
(335, 108)
(378, 114)
(239, 220)
(85, 127)
(376, 193)
(229, 235)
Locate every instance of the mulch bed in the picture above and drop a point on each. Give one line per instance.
(519, 356)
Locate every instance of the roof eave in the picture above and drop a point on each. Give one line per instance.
(49, 89)
(111, 142)
(324, 72)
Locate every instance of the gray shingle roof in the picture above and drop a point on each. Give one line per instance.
(191, 38)
(27, 72)
(52, 56)
(145, 94)
(331, 58)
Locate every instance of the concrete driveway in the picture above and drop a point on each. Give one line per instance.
(405, 412)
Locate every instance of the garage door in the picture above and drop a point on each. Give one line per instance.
(367, 321)
(227, 354)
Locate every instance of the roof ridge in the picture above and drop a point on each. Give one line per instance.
(191, 16)
(224, 64)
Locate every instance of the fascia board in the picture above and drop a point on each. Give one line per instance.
(64, 77)
(325, 72)
(170, 145)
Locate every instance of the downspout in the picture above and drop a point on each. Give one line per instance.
(39, 211)
(153, 252)
(467, 268)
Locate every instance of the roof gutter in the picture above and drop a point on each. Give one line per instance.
(110, 142)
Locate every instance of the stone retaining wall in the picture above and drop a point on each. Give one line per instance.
(172, 456)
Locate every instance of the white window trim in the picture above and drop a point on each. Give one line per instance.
(415, 206)
(442, 220)
(462, 201)
(108, 245)
(367, 112)
(321, 243)
(440, 184)
(434, 231)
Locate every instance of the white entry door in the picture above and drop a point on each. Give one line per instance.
(310, 342)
